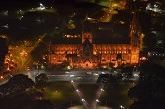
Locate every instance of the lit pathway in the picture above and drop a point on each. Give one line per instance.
(75, 85)
(79, 107)
(96, 99)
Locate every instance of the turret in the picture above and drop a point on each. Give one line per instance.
(135, 39)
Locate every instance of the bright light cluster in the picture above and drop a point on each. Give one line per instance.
(155, 7)
(156, 54)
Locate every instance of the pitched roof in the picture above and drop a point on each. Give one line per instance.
(66, 41)
(110, 30)
(112, 40)
(73, 31)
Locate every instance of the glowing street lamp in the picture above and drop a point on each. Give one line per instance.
(122, 107)
(41, 5)
(102, 89)
(72, 81)
(97, 100)
(82, 99)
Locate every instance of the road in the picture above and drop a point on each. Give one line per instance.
(76, 78)
(75, 75)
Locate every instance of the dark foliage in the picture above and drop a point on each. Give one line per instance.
(41, 81)
(149, 93)
(106, 79)
(39, 51)
(17, 83)
(25, 100)
(42, 104)
(152, 72)
(3, 51)
(6, 104)
(147, 105)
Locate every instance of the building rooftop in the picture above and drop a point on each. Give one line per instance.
(66, 41)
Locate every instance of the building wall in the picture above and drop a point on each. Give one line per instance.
(59, 52)
(102, 53)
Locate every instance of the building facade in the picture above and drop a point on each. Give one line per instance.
(97, 44)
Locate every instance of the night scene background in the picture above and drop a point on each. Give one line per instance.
(82, 54)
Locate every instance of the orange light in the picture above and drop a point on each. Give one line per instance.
(1, 77)
(143, 58)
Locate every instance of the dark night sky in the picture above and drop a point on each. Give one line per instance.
(10, 3)
(16, 4)
(6, 2)
(36, 1)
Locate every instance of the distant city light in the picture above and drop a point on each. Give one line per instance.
(122, 107)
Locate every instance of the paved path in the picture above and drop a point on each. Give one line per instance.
(85, 103)
(100, 107)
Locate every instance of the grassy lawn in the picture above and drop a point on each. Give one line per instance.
(116, 95)
(61, 93)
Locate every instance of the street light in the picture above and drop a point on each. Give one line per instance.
(122, 107)
(72, 81)
(82, 99)
(42, 7)
(102, 89)
(41, 4)
(97, 100)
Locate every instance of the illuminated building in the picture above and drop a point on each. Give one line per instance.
(98, 44)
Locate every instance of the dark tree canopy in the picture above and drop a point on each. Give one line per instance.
(147, 105)
(17, 83)
(41, 80)
(29, 99)
(149, 93)
(3, 50)
(152, 72)
(42, 104)
(106, 79)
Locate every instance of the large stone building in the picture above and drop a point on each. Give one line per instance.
(97, 44)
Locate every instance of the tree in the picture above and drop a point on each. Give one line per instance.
(64, 65)
(7, 104)
(150, 40)
(39, 51)
(99, 1)
(3, 51)
(106, 79)
(147, 105)
(42, 104)
(41, 81)
(127, 71)
(149, 93)
(17, 83)
(152, 72)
